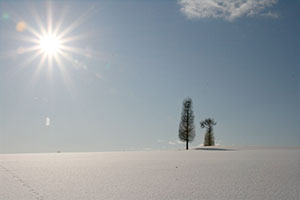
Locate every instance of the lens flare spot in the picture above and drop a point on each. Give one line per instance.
(107, 66)
(47, 121)
(20, 50)
(21, 26)
(5, 16)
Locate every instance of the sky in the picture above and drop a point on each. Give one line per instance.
(112, 75)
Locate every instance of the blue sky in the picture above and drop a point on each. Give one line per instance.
(128, 66)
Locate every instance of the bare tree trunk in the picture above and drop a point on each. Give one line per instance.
(187, 131)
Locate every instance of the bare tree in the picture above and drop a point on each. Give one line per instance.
(186, 126)
(209, 138)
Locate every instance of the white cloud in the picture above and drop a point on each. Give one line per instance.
(228, 10)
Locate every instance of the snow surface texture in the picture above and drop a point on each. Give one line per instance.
(195, 174)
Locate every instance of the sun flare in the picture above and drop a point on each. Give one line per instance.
(50, 44)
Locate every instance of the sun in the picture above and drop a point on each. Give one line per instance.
(50, 44)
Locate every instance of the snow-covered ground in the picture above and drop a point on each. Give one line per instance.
(196, 174)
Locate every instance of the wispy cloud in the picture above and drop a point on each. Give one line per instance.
(171, 143)
(175, 142)
(228, 10)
